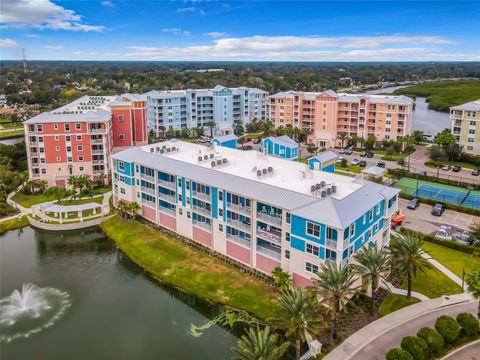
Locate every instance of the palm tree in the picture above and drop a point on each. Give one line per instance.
(342, 136)
(475, 232)
(133, 209)
(73, 182)
(311, 148)
(407, 258)
(59, 193)
(122, 206)
(161, 128)
(260, 344)
(473, 282)
(355, 140)
(296, 133)
(211, 124)
(267, 127)
(282, 279)
(300, 315)
(336, 286)
(372, 264)
(42, 184)
(102, 177)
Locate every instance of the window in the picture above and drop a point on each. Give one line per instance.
(377, 209)
(137, 169)
(42, 160)
(287, 254)
(313, 229)
(58, 158)
(69, 148)
(80, 158)
(180, 197)
(187, 185)
(287, 236)
(220, 212)
(55, 126)
(220, 227)
(121, 165)
(122, 191)
(220, 195)
(311, 268)
(42, 150)
(44, 171)
(188, 215)
(67, 138)
(78, 126)
(331, 234)
(81, 168)
(56, 137)
(371, 215)
(79, 137)
(57, 148)
(66, 127)
(69, 159)
(121, 136)
(39, 128)
(179, 182)
(138, 182)
(287, 219)
(470, 148)
(80, 148)
(312, 249)
(180, 211)
(330, 254)
(364, 219)
(40, 139)
(120, 117)
(352, 230)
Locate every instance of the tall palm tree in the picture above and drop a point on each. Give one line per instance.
(372, 264)
(282, 278)
(336, 286)
(211, 124)
(300, 314)
(267, 127)
(296, 133)
(102, 177)
(355, 140)
(122, 206)
(73, 182)
(342, 136)
(42, 185)
(133, 209)
(259, 344)
(473, 282)
(407, 257)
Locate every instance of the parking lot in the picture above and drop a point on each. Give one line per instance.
(422, 220)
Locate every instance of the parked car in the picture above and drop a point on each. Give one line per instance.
(248, 147)
(444, 233)
(446, 167)
(348, 152)
(355, 162)
(363, 154)
(370, 155)
(257, 141)
(413, 204)
(341, 151)
(465, 237)
(381, 164)
(362, 163)
(339, 159)
(475, 172)
(456, 169)
(438, 209)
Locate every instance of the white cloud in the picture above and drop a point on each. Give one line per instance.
(53, 47)
(34, 36)
(108, 4)
(215, 34)
(177, 31)
(8, 43)
(191, 9)
(42, 14)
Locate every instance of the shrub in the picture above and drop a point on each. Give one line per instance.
(398, 354)
(448, 328)
(433, 339)
(468, 323)
(415, 346)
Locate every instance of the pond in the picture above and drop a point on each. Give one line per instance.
(112, 309)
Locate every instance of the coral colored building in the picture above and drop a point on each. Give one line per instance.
(79, 138)
(329, 113)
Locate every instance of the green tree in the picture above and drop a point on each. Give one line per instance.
(336, 286)
(123, 207)
(267, 128)
(311, 148)
(211, 124)
(342, 137)
(260, 344)
(241, 141)
(444, 139)
(402, 162)
(73, 183)
(473, 287)
(437, 155)
(299, 314)
(370, 141)
(282, 278)
(133, 209)
(418, 136)
(372, 264)
(407, 258)
(475, 231)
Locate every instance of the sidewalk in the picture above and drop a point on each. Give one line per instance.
(394, 290)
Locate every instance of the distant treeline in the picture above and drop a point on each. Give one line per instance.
(50, 82)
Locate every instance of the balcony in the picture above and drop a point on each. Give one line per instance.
(168, 211)
(148, 203)
(202, 196)
(332, 244)
(97, 151)
(346, 242)
(167, 198)
(148, 178)
(167, 184)
(98, 162)
(147, 190)
(239, 240)
(202, 225)
(35, 164)
(240, 209)
(271, 219)
(276, 255)
(202, 210)
(96, 141)
(35, 175)
(272, 235)
(96, 131)
(239, 225)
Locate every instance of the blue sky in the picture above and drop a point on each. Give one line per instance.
(240, 30)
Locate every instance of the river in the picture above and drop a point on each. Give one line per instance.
(431, 122)
(116, 312)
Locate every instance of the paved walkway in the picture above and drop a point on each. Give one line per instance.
(467, 352)
(443, 269)
(395, 290)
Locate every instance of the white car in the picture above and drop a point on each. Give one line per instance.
(444, 233)
(339, 160)
(355, 162)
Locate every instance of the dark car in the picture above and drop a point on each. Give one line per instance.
(362, 163)
(438, 209)
(475, 172)
(257, 141)
(248, 147)
(413, 204)
(370, 155)
(349, 152)
(456, 169)
(381, 164)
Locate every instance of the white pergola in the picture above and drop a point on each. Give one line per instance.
(61, 211)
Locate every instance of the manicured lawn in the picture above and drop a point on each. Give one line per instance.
(97, 200)
(4, 134)
(394, 302)
(13, 224)
(452, 259)
(189, 269)
(354, 169)
(433, 284)
(29, 200)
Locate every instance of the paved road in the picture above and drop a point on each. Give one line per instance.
(377, 348)
(468, 352)
(422, 220)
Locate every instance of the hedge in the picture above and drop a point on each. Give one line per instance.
(398, 354)
(468, 323)
(415, 347)
(448, 328)
(447, 243)
(433, 339)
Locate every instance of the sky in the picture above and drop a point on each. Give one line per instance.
(324, 30)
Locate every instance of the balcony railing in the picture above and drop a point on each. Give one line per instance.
(167, 184)
(96, 131)
(168, 211)
(240, 225)
(96, 141)
(167, 197)
(147, 190)
(148, 178)
(244, 210)
(346, 242)
(35, 175)
(149, 203)
(270, 253)
(275, 220)
(239, 240)
(97, 152)
(202, 196)
(98, 161)
(202, 225)
(332, 244)
(269, 236)
(202, 210)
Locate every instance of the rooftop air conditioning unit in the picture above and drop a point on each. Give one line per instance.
(151, 150)
(323, 193)
(219, 162)
(205, 157)
(158, 148)
(313, 188)
(168, 149)
(200, 159)
(213, 163)
(329, 191)
(225, 161)
(211, 156)
(270, 169)
(322, 183)
(264, 171)
(162, 151)
(259, 173)
(334, 189)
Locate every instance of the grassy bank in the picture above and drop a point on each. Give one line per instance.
(394, 302)
(13, 224)
(443, 94)
(433, 283)
(5, 134)
(197, 273)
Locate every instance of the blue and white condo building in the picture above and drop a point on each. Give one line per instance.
(228, 107)
(261, 210)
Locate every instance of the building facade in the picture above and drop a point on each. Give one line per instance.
(466, 126)
(260, 210)
(329, 114)
(280, 146)
(182, 109)
(78, 138)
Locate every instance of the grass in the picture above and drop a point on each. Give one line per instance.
(32, 199)
(443, 94)
(195, 272)
(4, 134)
(394, 302)
(433, 283)
(452, 259)
(13, 224)
(97, 200)
(462, 164)
(353, 169)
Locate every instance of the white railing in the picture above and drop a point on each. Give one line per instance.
(331, 244)
(346, 242)
(148, 190)
(239, 240)
(330, 261)
(96, 141)
(201, 210)
(167, 184)
(239, 225)
(96, 131)
(98, 161)
(97, 152)
(167, 211)
(202, 225)
(166, 197)
(148, 178)
(275, 220)
(269, 236)
(149, 203)
(244, 210)
(202, 196)
(268, 252)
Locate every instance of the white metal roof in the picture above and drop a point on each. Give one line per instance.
(472, 106)
(325, 156)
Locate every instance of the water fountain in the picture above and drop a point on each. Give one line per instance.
(30, 310)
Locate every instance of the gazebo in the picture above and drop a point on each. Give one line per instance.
(61, 211)
(373, 172)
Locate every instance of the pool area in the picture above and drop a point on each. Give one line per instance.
(458, 197)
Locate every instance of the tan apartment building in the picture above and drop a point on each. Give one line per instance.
(466, 126)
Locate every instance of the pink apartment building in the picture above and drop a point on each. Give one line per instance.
(329, 113)
(79, 138)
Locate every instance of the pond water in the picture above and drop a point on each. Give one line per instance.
(431, 122)
(114, 310)
(12, 140)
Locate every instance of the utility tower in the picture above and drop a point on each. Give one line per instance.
(24, 59)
